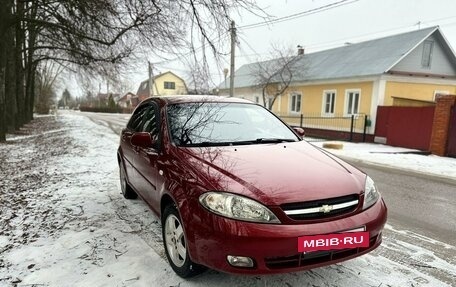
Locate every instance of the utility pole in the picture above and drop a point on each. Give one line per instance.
(151, 89)
(233, 48)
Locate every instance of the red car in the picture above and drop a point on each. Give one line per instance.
(239, 191)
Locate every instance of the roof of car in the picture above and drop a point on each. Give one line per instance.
(197, 99)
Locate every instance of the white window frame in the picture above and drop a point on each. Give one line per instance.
(426, 58)
(440, 92)
(169, 85)
(347, 93)
(295, 110)
(323, 106)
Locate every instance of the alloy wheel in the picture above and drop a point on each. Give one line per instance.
(175, 240)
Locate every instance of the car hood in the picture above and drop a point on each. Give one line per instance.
(275, 174)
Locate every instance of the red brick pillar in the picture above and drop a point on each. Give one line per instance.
(440, 126)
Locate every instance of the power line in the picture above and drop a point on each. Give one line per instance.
(218, 38)
(299, 15)
(345, 39)
(250, 47)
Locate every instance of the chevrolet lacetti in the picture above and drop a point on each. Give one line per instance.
(239, 191)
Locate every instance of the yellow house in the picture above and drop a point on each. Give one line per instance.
(408, 69)
(163, 84)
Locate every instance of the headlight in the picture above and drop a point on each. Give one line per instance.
(371, 193)
(237, 207)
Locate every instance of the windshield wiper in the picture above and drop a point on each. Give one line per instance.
(260, 140)
(206, 144)
(231, 143)
(273, 140)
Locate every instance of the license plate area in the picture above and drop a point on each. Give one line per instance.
(347, 240)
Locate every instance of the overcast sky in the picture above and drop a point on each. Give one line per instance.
(349, 21)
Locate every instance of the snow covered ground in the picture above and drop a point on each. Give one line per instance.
(63, 222)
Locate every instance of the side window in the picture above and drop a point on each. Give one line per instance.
(135, 121)
(329, 102)
(427, 54)
(150, 122)
(295, 103)
(352, 100)
(170, 85)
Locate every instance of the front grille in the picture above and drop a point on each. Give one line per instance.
(313, 258)
(322, 208)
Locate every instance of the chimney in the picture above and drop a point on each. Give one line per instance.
(300, 50)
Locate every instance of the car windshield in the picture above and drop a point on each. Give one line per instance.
(219, 124)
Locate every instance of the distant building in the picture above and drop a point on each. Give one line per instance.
(102, 99)
(408, 69)
(128, 100)
(163, 84)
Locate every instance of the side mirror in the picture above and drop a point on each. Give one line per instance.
(142, 139)
(300, 131)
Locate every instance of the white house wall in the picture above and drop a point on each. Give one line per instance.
(440, 62)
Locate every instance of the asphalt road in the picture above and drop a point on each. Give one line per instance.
(421, 203)
(421, 229)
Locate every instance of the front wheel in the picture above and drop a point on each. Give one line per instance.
(176, 244)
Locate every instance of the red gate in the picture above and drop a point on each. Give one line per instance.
(451, 150)
(409, 127)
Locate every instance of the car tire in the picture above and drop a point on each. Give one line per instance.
(127, 191)
(176, 245)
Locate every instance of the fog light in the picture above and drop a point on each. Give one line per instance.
(240, 261)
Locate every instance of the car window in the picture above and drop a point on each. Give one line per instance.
(193, 124)
(136, 119)
(149, 122)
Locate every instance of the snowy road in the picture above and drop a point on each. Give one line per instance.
(64, 223)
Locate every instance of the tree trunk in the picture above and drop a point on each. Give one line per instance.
(10, 73)
(2, 91)
(10, 87)
(30, 65)
(19, 44)
(6, 44)
(3, 15)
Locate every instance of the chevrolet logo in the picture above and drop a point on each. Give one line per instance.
(326, 208)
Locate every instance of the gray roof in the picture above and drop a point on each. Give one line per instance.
(368, 58)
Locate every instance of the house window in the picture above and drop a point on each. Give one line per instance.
(295, 103)
(329, 99)
(170, 85)
(352, 102)
(427, 54)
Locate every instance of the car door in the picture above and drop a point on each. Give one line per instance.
(129, 152)
(146, 158)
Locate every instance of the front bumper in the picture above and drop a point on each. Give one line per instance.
(273, 247)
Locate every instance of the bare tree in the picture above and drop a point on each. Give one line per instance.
(275, 74)
(47, 76)
(96, 35)
(199, 79)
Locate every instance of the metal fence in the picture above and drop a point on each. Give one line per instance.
(337, 127)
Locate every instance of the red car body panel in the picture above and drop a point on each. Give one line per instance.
(259, 169)
(272, 174)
